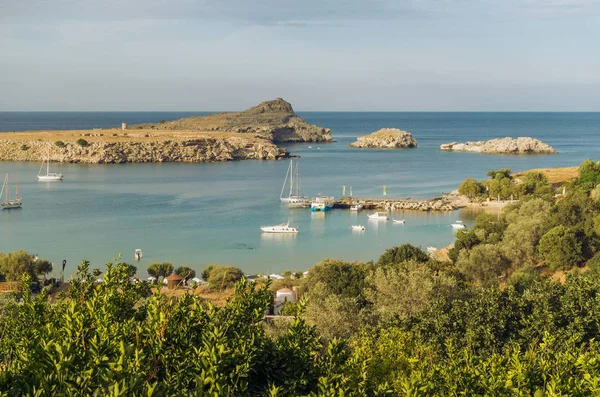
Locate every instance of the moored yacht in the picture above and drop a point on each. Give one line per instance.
(283, 228)
(356, 207)
(383, 216)
(10, 204)
(294, 199)
(458, 225)
(50, 176)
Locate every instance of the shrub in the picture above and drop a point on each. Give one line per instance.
(60, 144)
(82, 142)
(560, 248)
(470, 188)
(402, 253)
(222, 277)
(24, 147)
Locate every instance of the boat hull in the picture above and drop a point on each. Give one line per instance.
(11, 205)
(50, 178)
(320, 207)
(273, 229)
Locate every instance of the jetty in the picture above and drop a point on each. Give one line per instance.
(443, 203)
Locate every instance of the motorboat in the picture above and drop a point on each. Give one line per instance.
(49, 176)
(382, 216)
(10, 204)
(458, 225)
(431, 250)
(399, 221)
(356, 207)
(360, 228)
(138, 254)
(283, 228)
(322, 204)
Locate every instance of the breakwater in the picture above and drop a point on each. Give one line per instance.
(449, 202)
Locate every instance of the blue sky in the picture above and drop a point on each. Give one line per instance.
(392, 55)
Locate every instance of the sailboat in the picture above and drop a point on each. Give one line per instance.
(10, 204)
(50, 176)
(293, 199)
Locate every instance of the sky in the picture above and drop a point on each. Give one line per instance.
(320, 55)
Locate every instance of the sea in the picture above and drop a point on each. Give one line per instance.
(201, 214)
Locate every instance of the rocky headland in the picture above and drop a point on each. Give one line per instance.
(251, 134)
(386, 138)
(521, 145)
(274, 120)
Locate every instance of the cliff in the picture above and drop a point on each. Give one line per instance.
(275, 120)
(388, 138)
(521, 145)
(133, 149)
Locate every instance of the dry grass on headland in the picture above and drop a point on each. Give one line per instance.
(554, 175)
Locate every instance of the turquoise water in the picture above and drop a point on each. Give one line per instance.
(197, 214)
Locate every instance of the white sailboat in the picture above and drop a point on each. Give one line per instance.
(10, 204)
(383, 216)
(50, 176)
(293, 199)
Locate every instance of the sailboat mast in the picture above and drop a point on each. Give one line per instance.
(297, 179)
(6, 183)
(17, 191)
(291, 177)
(285, 182)
(48, 162)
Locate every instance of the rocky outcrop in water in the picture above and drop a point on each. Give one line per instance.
(521, 145)
(197, 150)
(274, 120)
(386, 138)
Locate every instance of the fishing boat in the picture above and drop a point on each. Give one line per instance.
(356, 207)
(294, 199)
(10, 204)
(138, 254)
(322, 204)
(431, 250)
(50, 176)
(399, 221)
(383, 216)
(458, 225)
(283, 228)
(358, 228)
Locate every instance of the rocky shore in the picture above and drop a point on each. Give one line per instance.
(386, 138)
(274, 120)
(248, 135)
(200, 149)
(521, 145)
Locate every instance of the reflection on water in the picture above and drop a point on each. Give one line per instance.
(270, 239)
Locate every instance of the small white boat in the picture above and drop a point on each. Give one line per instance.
(356, 207)
(400, 221)
(458, 225)
(138, 254)
(431, 250)
(283, 228)
(50, 176)
(10, 204)
(321, 204)
(358, 228)
(383, 216)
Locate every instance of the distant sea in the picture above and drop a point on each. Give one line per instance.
(198, 214)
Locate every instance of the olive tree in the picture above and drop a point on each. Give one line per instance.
(560, 248)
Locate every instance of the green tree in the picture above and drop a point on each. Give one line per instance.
(14, 264)
(402, 253)
(470, 188)
(483, 264)
(42, 267)
(222, 277)
(465, 240)
(502, 173)
(186, 272)
(346, 279)
(560, 248)
(160, 269)
(82, 142)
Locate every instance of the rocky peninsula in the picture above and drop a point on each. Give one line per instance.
(386, 138)
(274, 120)
(251, 134)
(520, 145)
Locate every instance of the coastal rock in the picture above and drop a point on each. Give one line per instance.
(521, 145)
(196, 150)
(274, 120)
(388, 138)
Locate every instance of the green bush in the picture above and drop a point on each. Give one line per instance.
(60, 144)
(222, 277)
(24, 147)
(82, 142)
